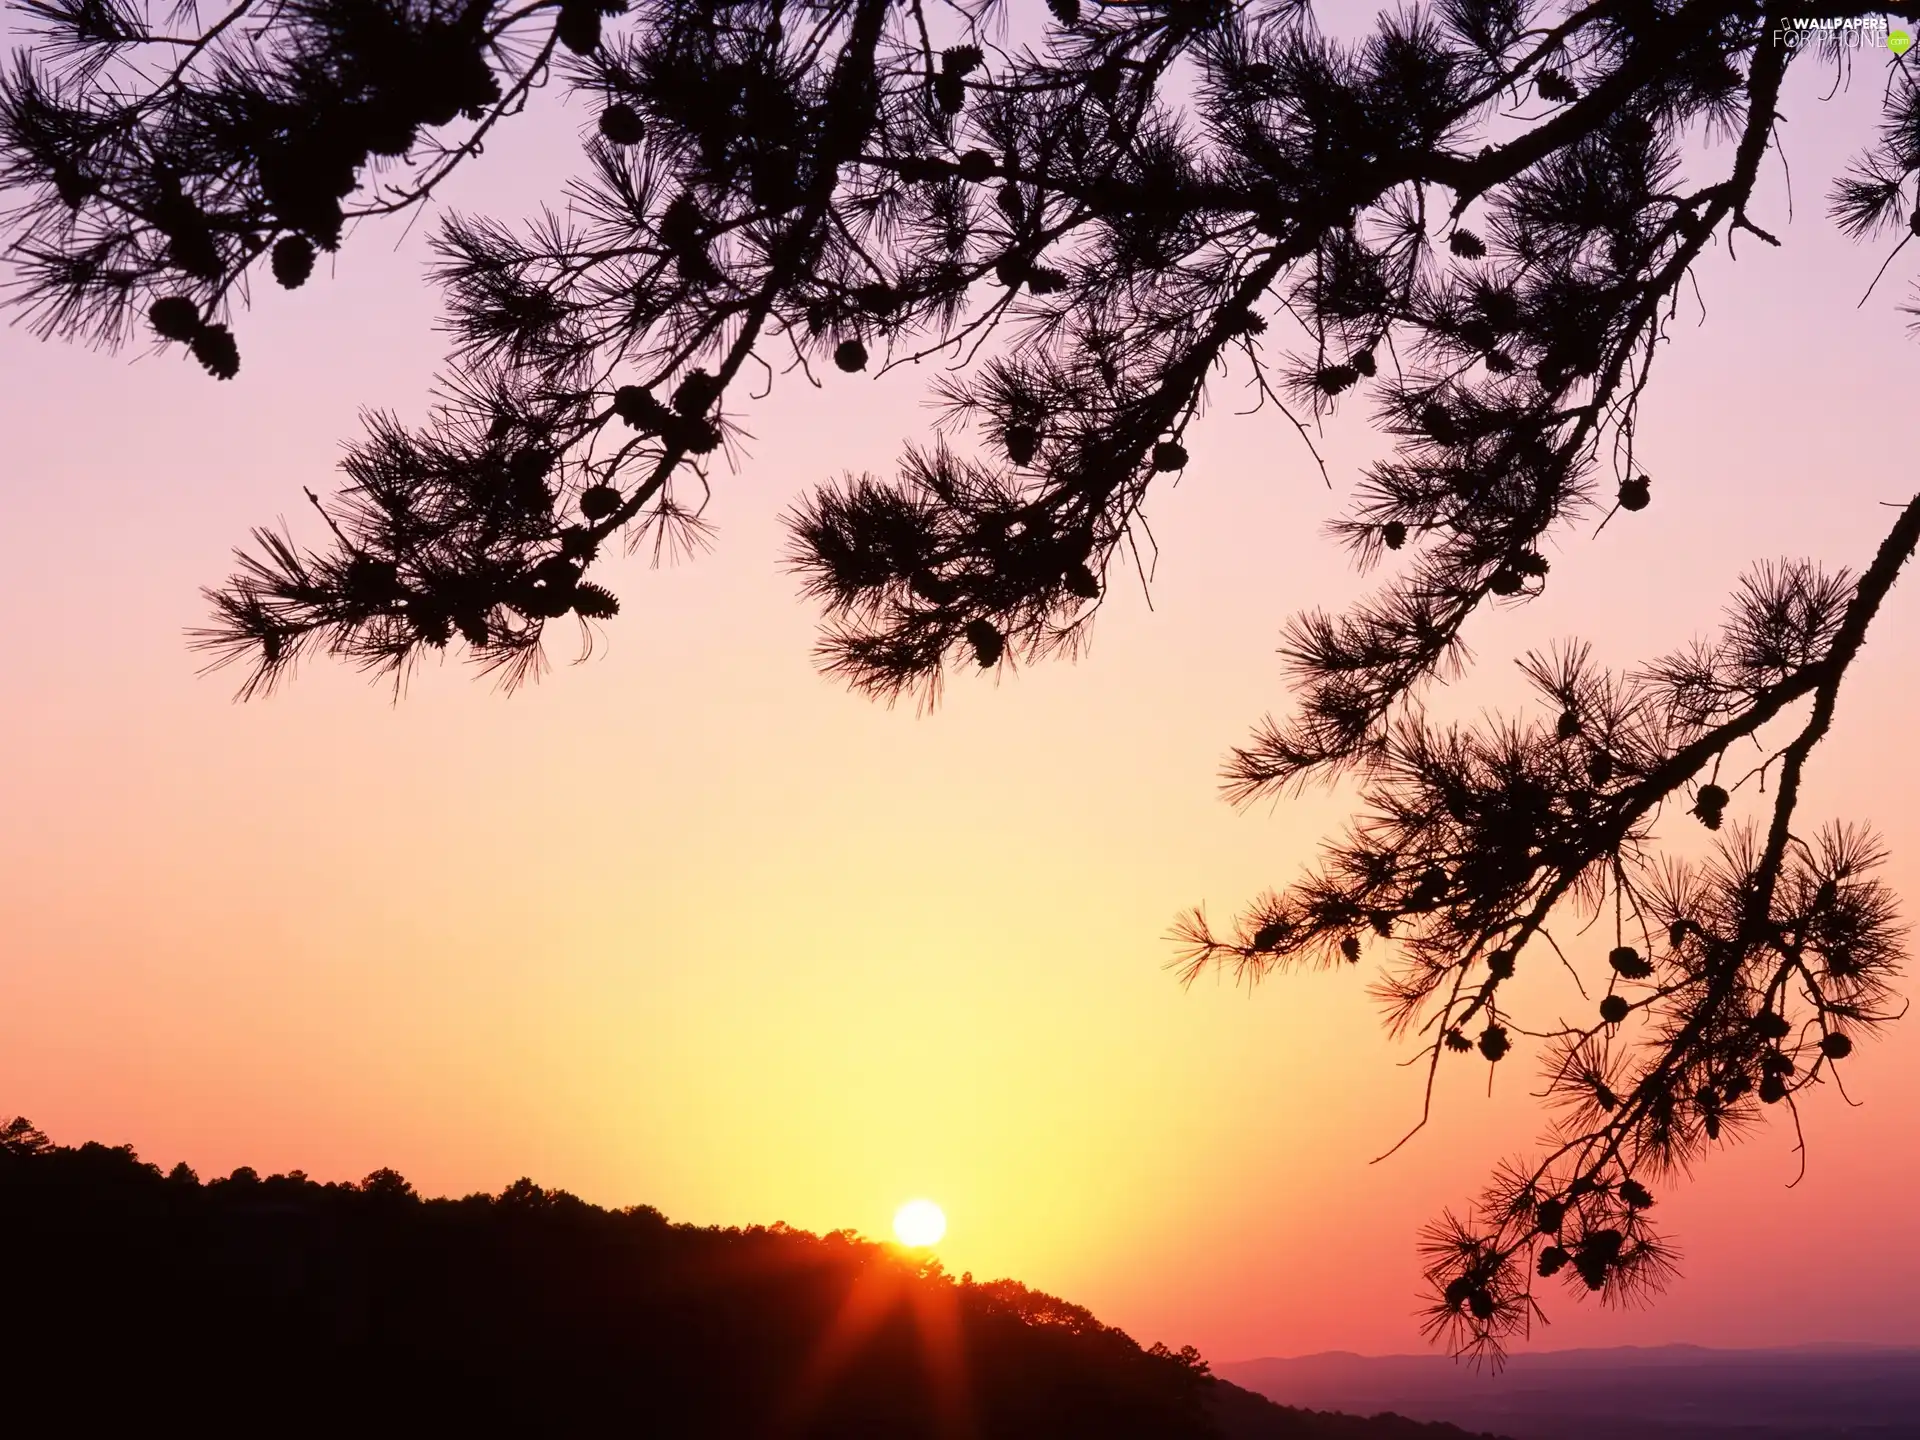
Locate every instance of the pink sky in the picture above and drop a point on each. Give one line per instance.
(688, 925)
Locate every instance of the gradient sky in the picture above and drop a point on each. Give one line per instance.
(689, 925)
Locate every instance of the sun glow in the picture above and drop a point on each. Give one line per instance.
(919, 1223)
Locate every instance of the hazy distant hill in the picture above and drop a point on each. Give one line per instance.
(134, 1302)
(1242, 1415)
(1678, 1392)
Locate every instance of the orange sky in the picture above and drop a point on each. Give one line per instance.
(689, 925)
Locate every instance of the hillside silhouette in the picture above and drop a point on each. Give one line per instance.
(282, 1305)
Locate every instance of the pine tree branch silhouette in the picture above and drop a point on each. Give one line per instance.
(1480, 216)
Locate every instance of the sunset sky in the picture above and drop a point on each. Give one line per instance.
(688, 924)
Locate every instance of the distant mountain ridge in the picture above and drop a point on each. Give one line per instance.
(1830, 1391)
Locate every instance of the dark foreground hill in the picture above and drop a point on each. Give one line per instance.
(136, 1301)
(1671, 1392)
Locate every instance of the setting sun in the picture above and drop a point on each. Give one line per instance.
(919, 1223)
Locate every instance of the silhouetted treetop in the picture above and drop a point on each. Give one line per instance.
(1478, 221)
(315, 1309)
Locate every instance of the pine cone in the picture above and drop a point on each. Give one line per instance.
(214, 347)
(1556, 88)
(292, 261)
(977, 167)
(1467, 245)
(595, 602)
(1709, 805)
(949, 92)
(1629, 963)
(987, 642)
(696, 393)
(635, 405)
(1332, 379)
(175, 317)
(697, 437)
(579, 26)
(620, 124)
